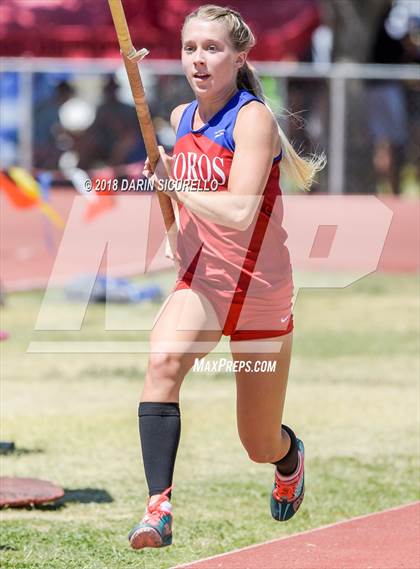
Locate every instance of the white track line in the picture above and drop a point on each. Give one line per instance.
(314, 530)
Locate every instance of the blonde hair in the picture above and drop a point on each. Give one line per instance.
(301, 170)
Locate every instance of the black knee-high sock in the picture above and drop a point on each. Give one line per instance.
(160, 430)
(288, 464)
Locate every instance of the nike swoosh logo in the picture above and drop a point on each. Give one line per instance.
(284, 319)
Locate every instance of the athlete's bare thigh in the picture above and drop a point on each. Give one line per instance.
(186, 328)
(186, 322)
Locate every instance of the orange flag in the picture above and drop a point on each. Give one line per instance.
(28, 187)
(16, 195)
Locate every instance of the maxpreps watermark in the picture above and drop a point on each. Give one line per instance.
(229, 366)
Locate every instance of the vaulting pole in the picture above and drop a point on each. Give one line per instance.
(131, 58)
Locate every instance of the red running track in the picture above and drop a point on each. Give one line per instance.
(29, 245)
(384, 540)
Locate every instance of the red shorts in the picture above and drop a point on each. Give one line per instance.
(246, 317)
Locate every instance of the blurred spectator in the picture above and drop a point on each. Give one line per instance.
(114, 137)
(387, 100)
(411, 43)
(164, 132)
(322, 44)
(47, 128)
(308, 102)
(354, 23)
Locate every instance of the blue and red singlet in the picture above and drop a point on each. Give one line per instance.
(246, 275)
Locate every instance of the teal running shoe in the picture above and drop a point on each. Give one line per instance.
(288, 491)
(155, 529)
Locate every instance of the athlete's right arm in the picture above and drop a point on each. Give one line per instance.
(176, 116)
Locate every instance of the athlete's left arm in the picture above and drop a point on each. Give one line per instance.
(257, 142)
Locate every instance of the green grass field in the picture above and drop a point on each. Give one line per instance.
(352, 397)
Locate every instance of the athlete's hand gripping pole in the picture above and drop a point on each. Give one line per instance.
(131, 58)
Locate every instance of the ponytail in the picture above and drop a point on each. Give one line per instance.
(247, 79)
(302, 171)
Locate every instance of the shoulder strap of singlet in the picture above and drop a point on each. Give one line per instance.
(245, 97)
(184, 126)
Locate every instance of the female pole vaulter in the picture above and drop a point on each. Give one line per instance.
(234, 274)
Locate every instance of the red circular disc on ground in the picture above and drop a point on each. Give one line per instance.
(27, 491)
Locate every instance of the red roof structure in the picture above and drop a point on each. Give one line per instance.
(76, 28)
